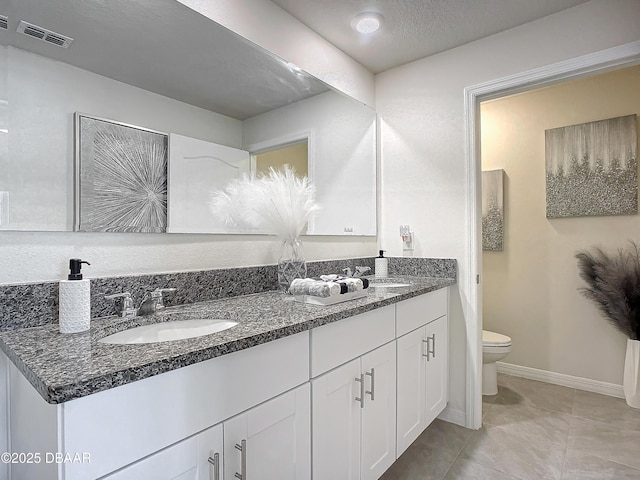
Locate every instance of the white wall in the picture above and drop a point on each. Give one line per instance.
(341, 153)
(267, 25)
(421, 110)
(531, 288)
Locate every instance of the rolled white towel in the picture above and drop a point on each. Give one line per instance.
(315, 288)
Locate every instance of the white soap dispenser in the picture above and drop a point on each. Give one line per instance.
(381, 266)
(74, 301)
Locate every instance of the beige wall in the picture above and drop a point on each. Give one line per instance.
(296, 156)
(530, 289)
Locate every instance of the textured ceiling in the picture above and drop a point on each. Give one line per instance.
(415, 29)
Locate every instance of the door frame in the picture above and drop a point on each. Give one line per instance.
(598, 62)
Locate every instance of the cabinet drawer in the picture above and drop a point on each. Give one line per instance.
(418, 311)
(337, 343)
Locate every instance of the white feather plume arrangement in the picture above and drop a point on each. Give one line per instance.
(278, 202)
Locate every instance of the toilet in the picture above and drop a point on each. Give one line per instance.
(495, 347)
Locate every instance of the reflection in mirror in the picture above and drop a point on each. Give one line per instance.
(295, 155)
(341, 153)
(205, 83)
(196, 169)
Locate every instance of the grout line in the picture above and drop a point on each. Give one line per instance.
(455, 459)
(633, 467)
(477, 432)
(566, 446)
(602, 422)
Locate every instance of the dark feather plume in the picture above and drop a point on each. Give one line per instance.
(613, 284)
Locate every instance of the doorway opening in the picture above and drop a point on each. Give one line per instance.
(599, 62)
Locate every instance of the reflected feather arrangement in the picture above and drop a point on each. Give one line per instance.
(279, 202)
(613, 284)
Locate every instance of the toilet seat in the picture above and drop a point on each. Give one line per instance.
(495, 347)
(493, 339)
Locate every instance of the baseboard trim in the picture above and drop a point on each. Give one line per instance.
(452, 415)
(565, 380)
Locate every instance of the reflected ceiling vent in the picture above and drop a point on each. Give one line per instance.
(4, 22)
(44, 34)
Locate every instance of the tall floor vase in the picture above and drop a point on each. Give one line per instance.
(631, 381)
(291, 264)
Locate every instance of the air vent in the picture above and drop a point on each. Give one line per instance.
(4, 22)
(44, 34)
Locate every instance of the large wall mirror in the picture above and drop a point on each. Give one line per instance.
(163, 67)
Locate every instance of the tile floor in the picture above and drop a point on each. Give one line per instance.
(531, 431)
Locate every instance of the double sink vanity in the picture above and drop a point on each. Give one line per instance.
(287, 391)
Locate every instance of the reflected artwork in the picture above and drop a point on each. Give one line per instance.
(121, 177)
(591, 168)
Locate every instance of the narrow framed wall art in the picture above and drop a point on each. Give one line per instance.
(493, 210)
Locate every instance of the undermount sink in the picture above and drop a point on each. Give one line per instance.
(167, 331)
(388, 285)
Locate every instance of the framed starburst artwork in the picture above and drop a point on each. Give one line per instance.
(120, 177)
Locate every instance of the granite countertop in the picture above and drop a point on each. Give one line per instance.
(66, 367)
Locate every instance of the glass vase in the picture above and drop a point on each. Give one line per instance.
(291, 264)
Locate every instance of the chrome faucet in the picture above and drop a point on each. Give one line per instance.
(358, 273)
(361, 270)
(151, 304)
(127, 310)
(153, 301)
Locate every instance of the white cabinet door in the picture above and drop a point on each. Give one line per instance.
(422, 379)
(378, 431)
(186, 460)
(271, 441)
(437, 393)
(336, 423)
(412, 368)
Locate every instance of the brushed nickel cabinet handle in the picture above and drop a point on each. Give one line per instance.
(372, 374)
(426, 348)
(243, 460)
(361, 398)
(433, 345)
(214, 465)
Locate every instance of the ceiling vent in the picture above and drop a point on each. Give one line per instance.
(4, 22)
(44, 34)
